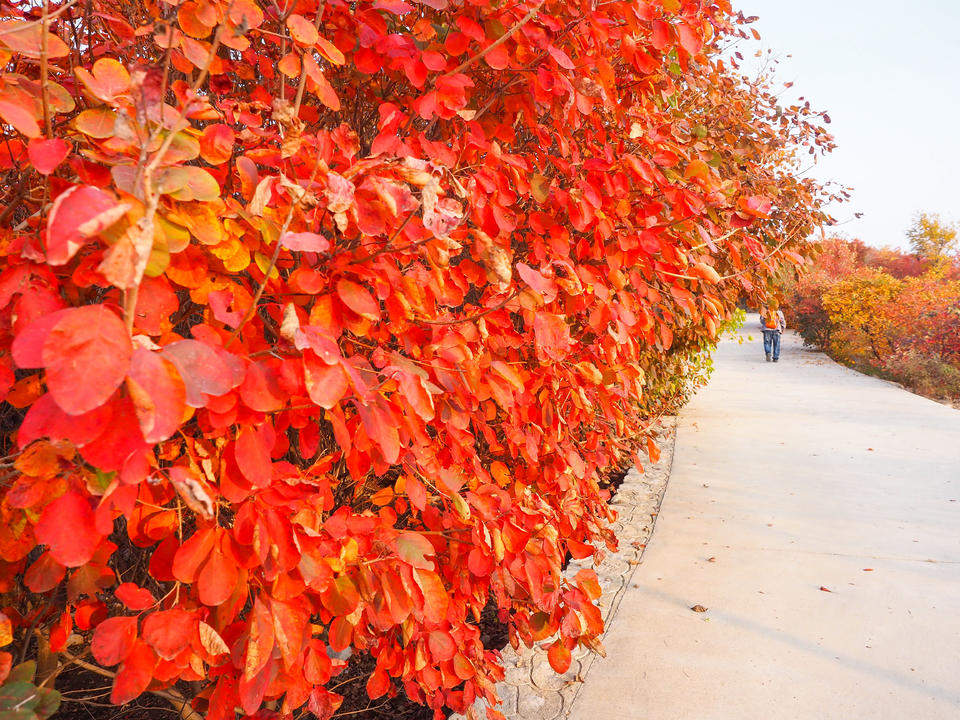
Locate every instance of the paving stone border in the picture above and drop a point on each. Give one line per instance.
(531, 689)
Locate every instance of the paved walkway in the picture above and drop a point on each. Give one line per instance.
(789, 480)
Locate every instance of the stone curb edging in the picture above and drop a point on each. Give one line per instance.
(532, 690)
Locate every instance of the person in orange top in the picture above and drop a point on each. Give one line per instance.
(773, 323)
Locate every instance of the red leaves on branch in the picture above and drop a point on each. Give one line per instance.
(324, 328)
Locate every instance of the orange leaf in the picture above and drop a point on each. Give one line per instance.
(216, 143)
(108, 80)
(26, 37)
(559, 657)
(340, 597)
(20, 117)
(302, 30)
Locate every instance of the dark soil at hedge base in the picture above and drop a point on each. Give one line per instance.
(351, 682)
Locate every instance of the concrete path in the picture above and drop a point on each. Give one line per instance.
(789, 480)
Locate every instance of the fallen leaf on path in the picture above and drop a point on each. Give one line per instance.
(868, 569)
(699, 608)
(711, 559)
(826, 589)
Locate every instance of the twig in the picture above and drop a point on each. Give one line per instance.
(252, 310)
(172, 695)
(502, 39)
(52, 16)
(472, 317)
(44, 91)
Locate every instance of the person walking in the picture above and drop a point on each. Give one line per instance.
(774, 323)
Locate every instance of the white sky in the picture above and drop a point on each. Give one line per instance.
(888, 73)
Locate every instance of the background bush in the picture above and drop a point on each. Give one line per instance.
(884, 312)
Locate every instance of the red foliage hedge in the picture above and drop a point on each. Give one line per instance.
(322, 323)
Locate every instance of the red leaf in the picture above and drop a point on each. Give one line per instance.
(134, 596)
(442, 646)
(323, 703)
(113, 639)
(304, 241)
(27, 347)
(253, 457)
(158, 394)
(261, 390)
(322, 87)
(45, 574)
(413, 390)
(340, 634)
(290, 621)
(134, 675)
(661, 35)
(86, 354)
(706, 272)
(169, 631)
(546, 287)
(316, 664)
(552, 336)
(562, 59)
(330, 51)
(559, 657)
(378, 683)
(190, 555)
(216, 143)
(68, 527)
(358, 298)
(220, 302)
(217, 579)
(652, 450)
(326, 384)
(203, 371)
(340, 597)
(46, 155)
(435, 597)
(413, 548)
(260, 641)
(479, 563)
(77, 215)
(689, 38)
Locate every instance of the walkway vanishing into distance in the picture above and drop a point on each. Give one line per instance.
(815, 514)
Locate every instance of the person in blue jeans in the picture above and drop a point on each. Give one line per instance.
(773, 323)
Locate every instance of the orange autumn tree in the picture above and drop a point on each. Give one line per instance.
(322, 324)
